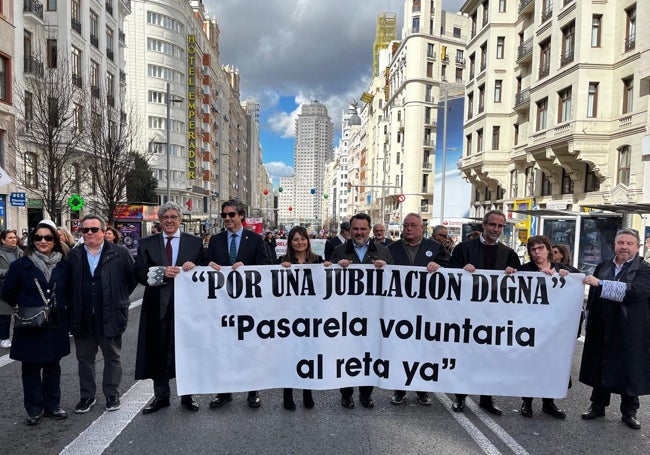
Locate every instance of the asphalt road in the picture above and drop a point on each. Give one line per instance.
(326, 429)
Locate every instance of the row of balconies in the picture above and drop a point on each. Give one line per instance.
(34, 7)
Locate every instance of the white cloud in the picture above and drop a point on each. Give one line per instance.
(277, 169)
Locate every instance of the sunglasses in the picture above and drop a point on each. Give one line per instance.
(93, 229)
(47, 238)
(230, 214)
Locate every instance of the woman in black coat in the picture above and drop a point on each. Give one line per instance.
(40, 350)
(298, 252)
(541, 260)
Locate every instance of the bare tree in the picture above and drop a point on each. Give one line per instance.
(48, 141)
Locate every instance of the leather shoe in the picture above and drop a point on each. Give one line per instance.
(347, 402)
(220, 400)
(366, 401)
(593, 413)
(156, 405)
(187, 401)
(526, 409)
(56, 414)
(254, 400)
(631, 421)
(33, 420)
(552, 410)
(490, 407)
(459, 405)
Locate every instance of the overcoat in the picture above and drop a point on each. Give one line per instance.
(375, 252)
(153, 359)
(5, 308)
(616, 353)
(430, 250)
(471, 252)
(41, 345)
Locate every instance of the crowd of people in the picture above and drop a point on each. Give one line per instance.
(90, 284)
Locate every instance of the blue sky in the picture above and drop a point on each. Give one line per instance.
(292, 52)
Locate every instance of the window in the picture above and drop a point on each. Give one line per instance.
(529, 175)
(514, 176)
(110, 89)
(468, 142)
(591, 180)
(498, 87)
(429, 69)
(623, 171)
(416, 6)
(416, 24)
(483, 56)
(94, 29)
(502, 6)
(515, 134)
(596, 26)
(470, 105)
(76, 178)
(5, 78)
(564, 105)
(78, 112)
(547, 10)
(109, 40)
(472, 66)
(479, 140)
(459, 75)
(51, 5)
(501, 40)
(496, 132)
(31, 170)
(481, 98)
(544, 58)
(76, 67)
(485, 12)
(630, 28)
(52, 52)
(547, 186)
(568, 43)
(628, 93)
(456, 32)
(29, 109)
(443, 72)
(592, 100)
(567, 183)
(430, 51)
(542, 111)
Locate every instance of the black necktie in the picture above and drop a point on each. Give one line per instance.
(168, 250)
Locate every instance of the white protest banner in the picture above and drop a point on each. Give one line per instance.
(397, 327)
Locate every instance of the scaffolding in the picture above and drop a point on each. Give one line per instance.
(385, 33)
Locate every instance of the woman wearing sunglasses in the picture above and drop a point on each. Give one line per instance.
(41, 269)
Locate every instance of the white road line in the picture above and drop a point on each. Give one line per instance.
(5, 360)
(103, 431)
(481, 440)
(496, 429)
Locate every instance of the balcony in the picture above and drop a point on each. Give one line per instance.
(547, 14)
(526, 6)
(109, 53)
(566, 58)
(121, 36)
(75, 24)
(630, 42)
(431, 55)
(544, 71)
(426, 165)
(460, 61)
(109, 7)
(94, 40)
(522, 98)
(110, 100)
(94, 91)
(525, 50)
(429, 143)
(33, 7)
(77, 81)
(33, 66)
(122, 77)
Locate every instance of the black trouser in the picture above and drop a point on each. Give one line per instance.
(41, 391)
(483, 400)
(5, 326)
(161, 388)
(364, 391)
(600, 396)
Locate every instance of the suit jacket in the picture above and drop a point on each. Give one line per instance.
(471, 252)
(330, 244)
(155, 353)
(430, 250)
(375, 251)
(252, 250)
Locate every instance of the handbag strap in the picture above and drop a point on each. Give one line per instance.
(46, 302)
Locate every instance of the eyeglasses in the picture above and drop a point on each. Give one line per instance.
(230, 214)
(495, 225)
(411, 225)
(47, 238)
(93, 229)
(170, 218)
(442, 235)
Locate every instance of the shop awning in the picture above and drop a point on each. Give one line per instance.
(639, 209)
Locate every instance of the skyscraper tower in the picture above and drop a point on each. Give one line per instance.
(312, 151)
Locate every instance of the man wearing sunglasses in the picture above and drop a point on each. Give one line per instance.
(102, 280)
(484, 252)
(163, 255)
(235, 247)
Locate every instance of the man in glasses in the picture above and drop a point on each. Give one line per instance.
(414, 249)
(615, 358)
(162, 256)
(235, 247)
(484, 252)
(441, 235)
(102, 280)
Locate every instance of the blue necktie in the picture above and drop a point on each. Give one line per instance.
(233, 249)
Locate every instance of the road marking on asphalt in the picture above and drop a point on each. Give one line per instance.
(103, 431)
(5, 360)
(496, 429)
(477, 435)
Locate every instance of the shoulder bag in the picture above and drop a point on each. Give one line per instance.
(41, 317)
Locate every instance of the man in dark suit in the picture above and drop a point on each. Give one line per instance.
(235, 247)
(414, 249)
(484, 252)
(360, 249)
(344, 234)
(162, 253)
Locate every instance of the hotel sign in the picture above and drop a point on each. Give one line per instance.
(191, 107)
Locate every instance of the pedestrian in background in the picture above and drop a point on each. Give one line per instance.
(441, 235)
(9, 252)
(101, 281)
(40, 275)
(333, 242)
(379, 235)
(112, 235)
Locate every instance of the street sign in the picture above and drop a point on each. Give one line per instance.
(18, 199)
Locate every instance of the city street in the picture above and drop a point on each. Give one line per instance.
(327, 429)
